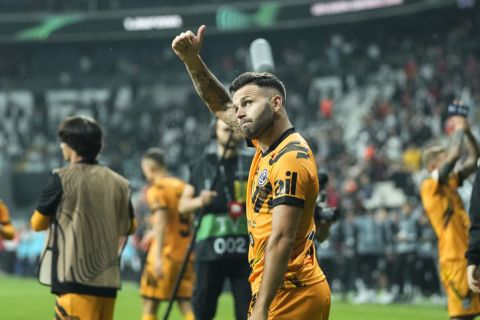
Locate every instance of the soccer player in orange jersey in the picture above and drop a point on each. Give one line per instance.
(286, 280)
(447, 215)
(6, 229)
(171, 237)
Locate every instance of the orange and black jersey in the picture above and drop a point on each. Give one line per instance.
(165, 194)
(286, 174)
(446, 213)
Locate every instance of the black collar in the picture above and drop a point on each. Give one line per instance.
(279, 140)
(88, 161)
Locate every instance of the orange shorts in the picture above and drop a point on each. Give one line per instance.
(461, 301)
(160, 288)
(310, 302)
(72, 306)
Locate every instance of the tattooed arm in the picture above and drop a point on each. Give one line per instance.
(187, 47)
(470, 164)
(453, 154)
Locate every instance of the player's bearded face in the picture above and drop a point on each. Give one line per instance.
(255, 114)
(260, 122)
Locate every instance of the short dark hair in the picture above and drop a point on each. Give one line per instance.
(261, 79)
(82, 134)
(157, 155)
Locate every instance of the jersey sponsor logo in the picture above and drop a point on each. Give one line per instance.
(302, 152)
(287, 186)
(263, 177)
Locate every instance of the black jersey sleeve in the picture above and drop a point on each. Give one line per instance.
(51, 196)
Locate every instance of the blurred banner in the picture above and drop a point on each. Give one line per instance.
(163, 22)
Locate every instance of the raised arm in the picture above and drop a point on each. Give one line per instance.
(470, 164)
(454, 150)
(187, 47)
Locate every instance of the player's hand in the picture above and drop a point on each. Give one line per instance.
(207, 196)
(146, 240)
(158, 267)
(323, 230)
(473, 273)
(458, 122)
(187, 45)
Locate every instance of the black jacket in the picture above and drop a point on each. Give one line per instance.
(473, 252)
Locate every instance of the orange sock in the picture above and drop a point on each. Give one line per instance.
(149, 317)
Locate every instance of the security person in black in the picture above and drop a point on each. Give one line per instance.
(222, 242)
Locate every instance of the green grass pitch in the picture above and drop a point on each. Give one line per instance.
(26, 299)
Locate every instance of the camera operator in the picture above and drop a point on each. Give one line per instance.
(325, 216)
(222, 242)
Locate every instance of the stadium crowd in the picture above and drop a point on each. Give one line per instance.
(368, 140)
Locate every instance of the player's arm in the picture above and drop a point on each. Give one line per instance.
(188, 203)
(159, 228)
(470, 164)
(48, 204)
(39, 221)
(158, 207)
(129, 229)
(323, 230)
(285, 221)
(187, 47)
(7, 231)
(454, 152)
(133, 221)
(6, 228)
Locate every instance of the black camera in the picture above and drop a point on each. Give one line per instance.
(322, 210)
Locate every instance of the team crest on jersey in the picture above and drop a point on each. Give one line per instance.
(262, 179)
